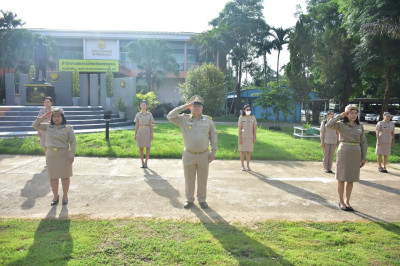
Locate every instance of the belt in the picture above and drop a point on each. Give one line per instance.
(197, 152)
(56, 149)
(143, 125)
(350, 143)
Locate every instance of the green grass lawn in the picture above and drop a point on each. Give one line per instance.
(151, 241)
(168, 143)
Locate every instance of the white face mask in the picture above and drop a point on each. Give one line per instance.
(248, 112)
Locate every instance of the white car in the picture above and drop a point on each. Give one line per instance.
(396, 118)
(372, 118)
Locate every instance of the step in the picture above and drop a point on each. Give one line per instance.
(76, 126)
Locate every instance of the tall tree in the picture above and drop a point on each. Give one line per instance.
(374, 53)
(154, 59)
(10, 44)
(281, 37)
(237, 24)
(298, 70)
(264, 44)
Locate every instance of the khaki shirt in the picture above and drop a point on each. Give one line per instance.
(197, 133)
(144, 119)
(330, 135)
(385, 131)
(247, 126)
(349, 133)
(62, 137)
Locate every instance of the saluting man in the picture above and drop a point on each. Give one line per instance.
(198, 132)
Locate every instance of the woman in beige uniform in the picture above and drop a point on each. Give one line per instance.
(144, 132)
(247, 135)
(384, 140)
(48, 103)
(61, 145)
(329, 141)
(351, 153)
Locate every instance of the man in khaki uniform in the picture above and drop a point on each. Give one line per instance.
(198, 132)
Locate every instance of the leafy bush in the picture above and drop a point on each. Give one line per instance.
(150, 98)
(208, 82)
(109, 82)
(120, 105)
(76, 87)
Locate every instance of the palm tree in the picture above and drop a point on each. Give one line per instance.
(153, 58)
(281, 37)
(8, 24)
(264, 45)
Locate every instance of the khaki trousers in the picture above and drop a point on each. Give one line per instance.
(329, 152)
(195, 164)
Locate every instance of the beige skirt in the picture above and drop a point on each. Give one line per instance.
(143, 137)
(348, 163)
(43, 139)
(383, 149)
(247, 145)
(57, 164)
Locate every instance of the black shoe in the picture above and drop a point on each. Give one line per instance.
(344, 208)
(55, 202)
(64, 202)
(330, 171)
(350, 209)
(384, 170)
(187, 204)
(203, 205)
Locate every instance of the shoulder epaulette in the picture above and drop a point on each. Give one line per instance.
(68, 125)
(187, 114)
(209, 117)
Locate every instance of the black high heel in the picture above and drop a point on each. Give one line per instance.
(55, 202)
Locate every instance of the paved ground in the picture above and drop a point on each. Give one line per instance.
(112, 188)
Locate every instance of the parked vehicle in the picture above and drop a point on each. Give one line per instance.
(396, 118)
(372, 118)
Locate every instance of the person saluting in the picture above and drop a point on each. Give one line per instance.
(198, 132)
(351, 154)
(61, 145)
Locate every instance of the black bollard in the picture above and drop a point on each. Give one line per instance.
(107, 118)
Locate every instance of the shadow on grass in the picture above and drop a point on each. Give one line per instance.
(110, 151)
(53, 243)
(382, 223)
(243, 248)
(37, 187)
(299, 192)
(162, 187)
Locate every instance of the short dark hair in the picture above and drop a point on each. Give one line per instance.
(49, 98)
(143, 101)
(64, 120)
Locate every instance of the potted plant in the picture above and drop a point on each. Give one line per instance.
(109, 86)
(75, 87)
(121, 107)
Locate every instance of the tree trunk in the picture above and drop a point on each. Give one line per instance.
(386, 97)
(265, 70)
(277, 67)
(238, 98)
(346, 95)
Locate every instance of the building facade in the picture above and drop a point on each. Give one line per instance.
(92, 52)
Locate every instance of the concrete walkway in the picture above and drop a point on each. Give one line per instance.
(109, 188)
